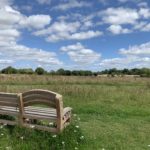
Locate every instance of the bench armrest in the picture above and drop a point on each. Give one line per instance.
(66, 110)
(67, 115)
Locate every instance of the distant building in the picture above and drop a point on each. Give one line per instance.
(131, 76)
(118, 75)
(102, 75)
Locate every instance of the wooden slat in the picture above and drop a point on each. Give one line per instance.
(9, 99)
(38, 96)
(40, 113)
(8, 107)
(44, 102)
(10, 95)
(39, 127)
(8, 122)
(6, 112)
(40, 101)
(40, 109)
(30, 108)
(8, 104)
(40, 117)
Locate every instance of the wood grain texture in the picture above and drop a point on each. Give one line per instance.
(39, 102)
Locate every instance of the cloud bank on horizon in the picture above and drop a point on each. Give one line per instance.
(75, 34)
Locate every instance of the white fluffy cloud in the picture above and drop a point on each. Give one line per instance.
(35, 21)
(10, 51)
(137, 50)
(126, 62)
(59, 27)
(85, 35)
(117, 29)
(81, 55)
(144, 12)
(6, 61)
(136, 19)
(118, 16)
(116, 62)
(10, 18)
(134, 56)
(72, 4)
(15, 52)
(9, 33)
(59, 31)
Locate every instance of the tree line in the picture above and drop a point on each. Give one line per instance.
(143, 72)
(41, 71)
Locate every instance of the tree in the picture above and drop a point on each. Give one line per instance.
(9, 70)
(75, 72)
(52, 72)
(26, 71)
(39, 71)
(61, 71)
(67, 72)
(125, 71)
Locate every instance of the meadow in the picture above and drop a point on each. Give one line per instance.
(109, 113)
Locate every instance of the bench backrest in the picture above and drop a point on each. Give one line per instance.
(9, 99)
(38, 96)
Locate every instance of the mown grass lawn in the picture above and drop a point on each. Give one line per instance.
(113, 113)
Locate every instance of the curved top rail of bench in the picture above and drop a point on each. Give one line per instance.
(41, 91)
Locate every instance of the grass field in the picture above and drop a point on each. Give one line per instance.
(114, 113)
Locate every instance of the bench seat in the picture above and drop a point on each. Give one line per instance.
(32, 112)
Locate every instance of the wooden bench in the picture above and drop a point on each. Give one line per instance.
(29, 110)
(8, 102)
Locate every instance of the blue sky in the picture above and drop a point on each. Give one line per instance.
(75, 34)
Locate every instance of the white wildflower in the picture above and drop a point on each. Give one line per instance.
(51, 123)
(2, 134)
(63, 142)
(21, 137)
(75, 131)
(8, 148)
(103, 148)
(54, 136)
(77, 126)
(74, 115)
(82, 137)
(32, 126)
(148, 145)
(1, 127)
(76, 148)
(78, 118)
